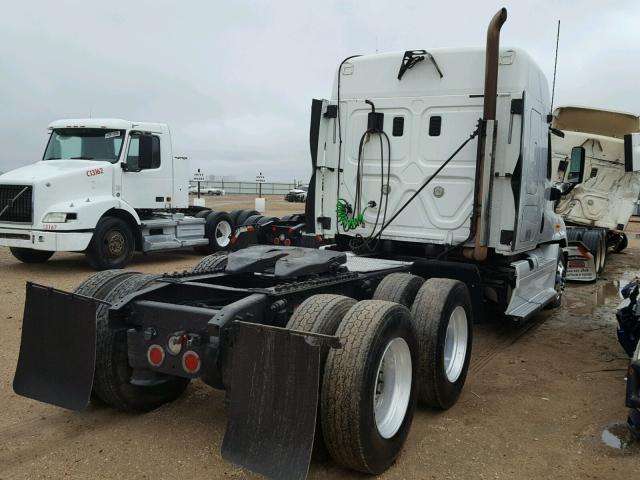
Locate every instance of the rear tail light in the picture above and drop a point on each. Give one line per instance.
(155, 355)
(191, 361)
(276, 241)
(584, 253)
(287, 242)
(274, 229)
(291, 231)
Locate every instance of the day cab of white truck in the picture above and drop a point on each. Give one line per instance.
(597, 210)
(106, 187)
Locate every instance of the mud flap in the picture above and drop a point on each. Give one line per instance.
(580, 263)
(58, 348)
(273, 400)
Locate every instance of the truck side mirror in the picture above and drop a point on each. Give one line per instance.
(632, 152)
(576, 166)
(145, 151)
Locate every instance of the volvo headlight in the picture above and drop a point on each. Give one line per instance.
(58, 217)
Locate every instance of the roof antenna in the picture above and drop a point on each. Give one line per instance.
(555, 66)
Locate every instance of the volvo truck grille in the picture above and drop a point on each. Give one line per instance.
(16, 203)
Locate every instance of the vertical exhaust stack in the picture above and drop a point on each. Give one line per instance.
(479, 251)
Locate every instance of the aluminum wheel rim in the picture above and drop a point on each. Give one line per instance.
(455, 344)
(392, 389)
(223, 233)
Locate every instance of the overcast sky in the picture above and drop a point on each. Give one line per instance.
(235, 79)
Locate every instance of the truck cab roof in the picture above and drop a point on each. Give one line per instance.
(108, 123)
(453, 71)
(606, 123)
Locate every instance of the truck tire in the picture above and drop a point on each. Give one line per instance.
(203, 213)
(112, 244)
(97, 286)
(252, 220)
(399, 287)
(561, 278)
(320, 314)
(234, 216)
(212, 263)
(622, 244)
(111, 380)
(29, 255)
(365, 421)
(242, 217)
(444, 322)
(94, 284)
(604, 249)
(593, 241)
(219, 230)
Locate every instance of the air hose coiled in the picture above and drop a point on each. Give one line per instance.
(348, 220)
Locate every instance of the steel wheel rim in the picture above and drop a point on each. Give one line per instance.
(392, 389)
(115, 243)
(223, 233)
(455, 344)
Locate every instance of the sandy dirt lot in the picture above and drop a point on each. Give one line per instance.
(537, 400)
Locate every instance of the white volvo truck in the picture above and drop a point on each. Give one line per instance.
(106, 187)
(597, 210)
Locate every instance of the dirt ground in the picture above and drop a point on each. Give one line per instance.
(539, 399)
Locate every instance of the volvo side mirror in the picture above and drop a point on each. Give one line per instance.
(632, 152)
(576, 166)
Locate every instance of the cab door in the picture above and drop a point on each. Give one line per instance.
(146, 173)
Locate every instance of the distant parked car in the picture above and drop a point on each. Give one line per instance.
(193, 190)
(212, 191)
(297, 194)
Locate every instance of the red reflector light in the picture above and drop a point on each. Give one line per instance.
(274, 229)
(291, 230)
(234, 239)
(155, 355)
(276, 241)
(191, 362)
(318, 238)
(251, 229)
(287, 242)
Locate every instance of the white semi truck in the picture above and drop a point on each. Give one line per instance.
(432, 173)
(106, 187)
(597, 210)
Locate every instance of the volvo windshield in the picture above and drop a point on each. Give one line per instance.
(84, 144)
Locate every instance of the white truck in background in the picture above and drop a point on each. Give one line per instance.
(106, 187)
(597, 210)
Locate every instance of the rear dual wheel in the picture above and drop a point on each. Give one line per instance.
(442, 314)
(218, 229)
(367, 399)
(112, 376)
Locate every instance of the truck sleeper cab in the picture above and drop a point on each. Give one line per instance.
(425, 113)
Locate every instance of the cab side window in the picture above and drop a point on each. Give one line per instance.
(144, 152)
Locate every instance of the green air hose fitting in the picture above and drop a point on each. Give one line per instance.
(348, 222)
